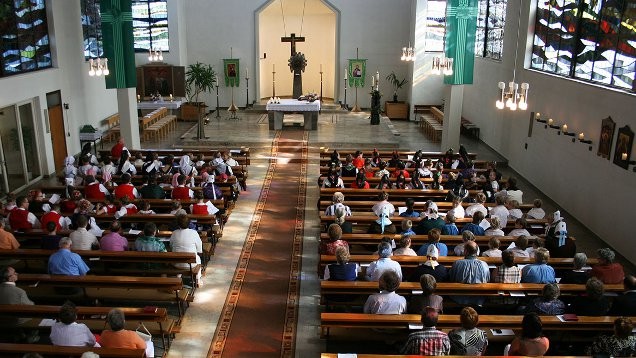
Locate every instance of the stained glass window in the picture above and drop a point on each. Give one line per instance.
(435, 26)
(491, 18)
(590, 40)
(24, 37)
(150, 25)
(92, 29)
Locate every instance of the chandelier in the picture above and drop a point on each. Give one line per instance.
(408, 53)
(155, 56)
(98, 67)
(443, 65)
(512, 97)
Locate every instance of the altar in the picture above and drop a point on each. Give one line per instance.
(276, 111)
(146, 107)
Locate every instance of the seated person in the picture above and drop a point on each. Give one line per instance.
(342, 270)
(65, 262)
(384, 263)
(431, 221)
(625, 304)
(480, 199)
(495, 228)
(508, 271)
(594, 302)
(519, 247)
(410, 211)
(548, 303)
(607, 270)
(387, 301)
(67, 332)
(404, 247)
(514, 212)
(113, 241)
(338, 201)
(520, 228)
(428, 298)
(50, 241)
(500, 210)
(536, 212)
(361, 181)
(7, 240)
(493, 248)
(468, 340)
(540, 271)
(457, 210)
(181, 192)
(431, 267)
(126, 188)
(434, 236)
(621, 344)
(577, 275)
(407, 228)
(335, 240)
(10, 294)
(466, 237)
(383, 225)
(450, 228)
(20, 218)
(474, 226)
(531, 342)
(117, 336)
(429, 341)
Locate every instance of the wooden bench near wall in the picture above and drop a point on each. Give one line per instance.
(17, 350)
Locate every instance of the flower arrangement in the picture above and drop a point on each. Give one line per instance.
(309, 97)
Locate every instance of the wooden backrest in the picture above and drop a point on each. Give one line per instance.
(326, 153)
(127, 282)
(112, 121)
(116, 256)
(8, 350)
(158, 314)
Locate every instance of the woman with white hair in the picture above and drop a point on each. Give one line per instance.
(338, 202)
(607, 270)
(117, 336)
(577, 275)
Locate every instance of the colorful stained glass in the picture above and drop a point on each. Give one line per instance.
(92, 29)
(491, 18)
(150, 25)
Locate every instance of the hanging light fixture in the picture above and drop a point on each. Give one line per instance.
(512, 97)
(442, 65)
(155, 56)
(408, 53)
(98, 67)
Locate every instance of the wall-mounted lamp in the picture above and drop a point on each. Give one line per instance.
(537, 117)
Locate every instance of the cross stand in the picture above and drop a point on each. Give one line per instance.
(218, 114)
(233, 108)
(356, 107)
(321, 85)
(247, 92)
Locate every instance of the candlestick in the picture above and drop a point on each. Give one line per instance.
(171, 98)
(581, 136)
(624, 156)
(346, 74)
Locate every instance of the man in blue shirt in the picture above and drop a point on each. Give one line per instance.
(469, 270)
(65, 262)
(540, 271)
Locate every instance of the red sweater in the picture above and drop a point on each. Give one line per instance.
(18, 219)
(52, 216)
(199, 209)
(181, 192)
(92, 192)
(125, 190)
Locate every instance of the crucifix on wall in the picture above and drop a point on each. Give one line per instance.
(297, 63)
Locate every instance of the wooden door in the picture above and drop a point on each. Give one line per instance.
(58, 137)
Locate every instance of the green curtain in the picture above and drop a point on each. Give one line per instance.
(118, 43)
(461, 25)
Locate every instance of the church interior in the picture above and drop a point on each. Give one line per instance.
(542, 88)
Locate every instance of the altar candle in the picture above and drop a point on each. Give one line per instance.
(624, 156)
(138, 98)
(171, 96)
(377, 77)
(346, 74)
(581, 136)
(550, 121)
(565, 128)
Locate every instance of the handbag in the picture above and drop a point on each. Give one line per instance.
(144, 334)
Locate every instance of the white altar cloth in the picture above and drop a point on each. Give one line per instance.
(158, 104)
(294, 105)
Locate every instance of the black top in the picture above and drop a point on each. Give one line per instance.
(572, 276)
(440, 272)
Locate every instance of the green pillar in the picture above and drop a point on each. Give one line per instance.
(461, 25)
(118, 42)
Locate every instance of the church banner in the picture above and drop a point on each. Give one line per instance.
(461, 25)
(232, 74)
(119, 48)
(357, 72)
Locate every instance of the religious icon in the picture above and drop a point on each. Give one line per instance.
(231, 72)
(607, 135)
(357, 72)
(623, 150)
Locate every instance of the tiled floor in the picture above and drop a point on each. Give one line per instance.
(335, 130)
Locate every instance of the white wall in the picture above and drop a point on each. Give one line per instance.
(597, 192)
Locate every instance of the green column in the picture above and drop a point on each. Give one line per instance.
(118, 43)
(461, 24)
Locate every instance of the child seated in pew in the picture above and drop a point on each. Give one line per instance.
(407, 228)
(342, 270)
(127, 208)
(176, 209)
(108, 207)
(404, 247)
(199, 162)
(139, 160)
(428, 298)
(513, 210)
(144, 208)
(520, 228)
(108, 170)
(495, 227)
(201, 207)
(450, 228)
(387, 301)
(536, 212)
(466, 236)
(50, 241)
(493, 248)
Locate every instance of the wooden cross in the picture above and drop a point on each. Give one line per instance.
(293, 39)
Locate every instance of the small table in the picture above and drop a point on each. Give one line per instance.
(276, 111)
(91, 138)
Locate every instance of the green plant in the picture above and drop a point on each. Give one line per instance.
(396, 83)
(200, 78)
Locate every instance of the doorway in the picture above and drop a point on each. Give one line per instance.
(19, 150)
(56, 127)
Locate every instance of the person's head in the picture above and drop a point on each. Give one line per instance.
(181, 179)
(538, 242)
(51, 227)
(606, 255)
(630, 282)
(531, 326)
(469, 318)
(65, 243)
(468, 236)
(521, 242)
(338, 197)
(407, 224)
(150, 229)
(349, 158)
(580, 260)
(389, 281)
(198, 195)
(500, 199)
(450, 217)
(430, 316)
(541, 255)
(116, 319)
(457, 201)
(22, 202)
(434, 235)
(176, 205)
(480, 198)
(550, 291)
(404, 242)
(126, 178)
(183, 222)
(521, 223)
(478, 216)
(68, 313)
(594, 288)
(512, 183)
(8, 274)
(494, 243)
(537, 203)
(470, 248)
(508, 258)
(495, 224)
(335, 232)
(410, 203)
(383, 196)
(82, 221)
(384, 250)
(342, 255)
(623, 327)
(428, 284)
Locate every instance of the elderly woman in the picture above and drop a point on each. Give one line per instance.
(338, 202)
(577, 275)
(431, 267)
(531, 342)
(428, 298)
(621, 344)
(387, 301)
(117, 336)
(335, 234)
(67, 332)
(607, 270)
(594, 302)
(342, 270)
(548, 303)
(185, 239)
(466, 236)
(468, 340)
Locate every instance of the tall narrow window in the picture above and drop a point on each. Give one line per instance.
(590, 40)
(150, 25)
(24, 37)
(92, 29)
(435, 26)
(491, 18)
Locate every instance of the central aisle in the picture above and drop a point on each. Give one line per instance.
(260, 313)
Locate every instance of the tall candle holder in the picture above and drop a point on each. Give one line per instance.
(274, 83)
(321, 84)
(247, 92)
(218, 114)
(345, 106)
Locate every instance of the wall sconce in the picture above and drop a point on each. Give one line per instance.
(564, 130)
(585, 141)
(537, 117)
(551, 124)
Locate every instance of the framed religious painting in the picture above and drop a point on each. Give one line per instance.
(231, 71)
(357, 72)
(607, 135)
(623, 150)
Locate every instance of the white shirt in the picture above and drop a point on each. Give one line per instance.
(459, 212)
(536, 213)
(377, 268)
(471, 210)
(502, 213)
(377, 208)
(82, 239)
(515, 214)
(385, 303)
(186, 240)
(71, 335)
(331, 209)
(519, 232)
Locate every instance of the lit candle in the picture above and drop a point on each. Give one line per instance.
(565, 128)
(624, 156)
(581, 136)
(346, 74)
(138, 98)
(377, 77)
(550, 121)
(171, 96)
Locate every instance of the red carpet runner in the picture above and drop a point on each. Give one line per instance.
(260, 311)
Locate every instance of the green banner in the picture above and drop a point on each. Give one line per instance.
(118, 42)
(357, 72)
(461, 25)
(232, 73)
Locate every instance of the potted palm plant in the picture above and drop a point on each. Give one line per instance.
(396, 83)
(200, 78)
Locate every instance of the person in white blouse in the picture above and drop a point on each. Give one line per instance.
(66, 332)
(480, 199)
(186, 240)
(387, 301)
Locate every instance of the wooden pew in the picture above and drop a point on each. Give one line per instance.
(394, 194)
(442, 206)
(112, 127)
(242, 155)
(416, 240)
(157, 320)
(17, 350)
(326, 153)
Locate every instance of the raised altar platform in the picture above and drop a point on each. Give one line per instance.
(276, 112)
